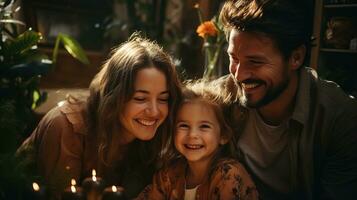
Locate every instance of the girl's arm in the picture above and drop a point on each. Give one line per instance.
(157, 190)
(231, 181)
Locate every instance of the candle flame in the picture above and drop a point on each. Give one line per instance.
(73, 182)
(114, 188)
(35, 186)
(94, 178)
(73, 189)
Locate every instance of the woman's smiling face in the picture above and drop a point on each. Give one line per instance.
(148, 107)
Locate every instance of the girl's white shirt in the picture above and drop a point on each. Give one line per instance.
(190, 194)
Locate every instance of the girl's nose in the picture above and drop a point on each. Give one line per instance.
(193, 133)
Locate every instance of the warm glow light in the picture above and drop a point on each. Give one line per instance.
(73, 189)
(73, 182)
(35, 186)
(94, 178)
(59, 104)
(114, 188)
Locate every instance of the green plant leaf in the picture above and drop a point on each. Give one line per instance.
(73, 48)
(36, 97)
(12, 21)
(32, 55)
(22, 43)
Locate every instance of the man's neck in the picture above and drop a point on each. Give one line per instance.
(282, 107)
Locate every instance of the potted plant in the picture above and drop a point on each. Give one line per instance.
(21, 66)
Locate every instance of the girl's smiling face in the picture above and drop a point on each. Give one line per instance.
(198, 133)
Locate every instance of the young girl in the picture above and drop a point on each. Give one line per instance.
(202, 168)
(119, 130)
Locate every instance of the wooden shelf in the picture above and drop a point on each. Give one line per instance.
(340, 6)
(338, 64)
(338, 50)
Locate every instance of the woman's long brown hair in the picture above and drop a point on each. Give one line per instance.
(113, 87)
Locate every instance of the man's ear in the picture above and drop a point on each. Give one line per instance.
(297, 57)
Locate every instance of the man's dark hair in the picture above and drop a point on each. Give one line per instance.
(287, 22)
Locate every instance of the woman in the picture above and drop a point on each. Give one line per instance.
(119, 130)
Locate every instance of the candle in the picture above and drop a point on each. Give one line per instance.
(93, 187)
(114, 193)
(72, 192)
(37, 192)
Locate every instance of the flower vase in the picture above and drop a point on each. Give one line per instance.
(212, 56)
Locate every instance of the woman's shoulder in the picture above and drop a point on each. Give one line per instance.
(68, 113)
(74, 110)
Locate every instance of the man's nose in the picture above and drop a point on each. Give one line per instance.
(239, 71)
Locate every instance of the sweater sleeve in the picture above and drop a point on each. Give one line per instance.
(158, 190)
(339, 170)
(58, 150)
(231, 181)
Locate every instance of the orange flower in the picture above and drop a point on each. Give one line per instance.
(206, 28)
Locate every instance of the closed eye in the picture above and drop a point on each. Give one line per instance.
(139, 99)
(205, 126)
(164, 100)
(257, 62)
(182, 126)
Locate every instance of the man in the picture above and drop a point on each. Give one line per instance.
(300, 139)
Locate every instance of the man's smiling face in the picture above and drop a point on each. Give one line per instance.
(258, 67)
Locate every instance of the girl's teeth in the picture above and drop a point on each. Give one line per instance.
(193, 146)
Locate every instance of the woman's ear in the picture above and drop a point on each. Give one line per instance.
(297, 57)
(223, 140)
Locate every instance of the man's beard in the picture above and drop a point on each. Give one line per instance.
(269, 96)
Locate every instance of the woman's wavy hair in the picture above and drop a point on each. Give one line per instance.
(113, 87)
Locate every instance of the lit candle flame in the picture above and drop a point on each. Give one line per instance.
(35, 186)
(114, 188)
(73, 182)
(73, 189)
(94, 178)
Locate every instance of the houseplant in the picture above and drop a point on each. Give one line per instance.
(21, 66)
